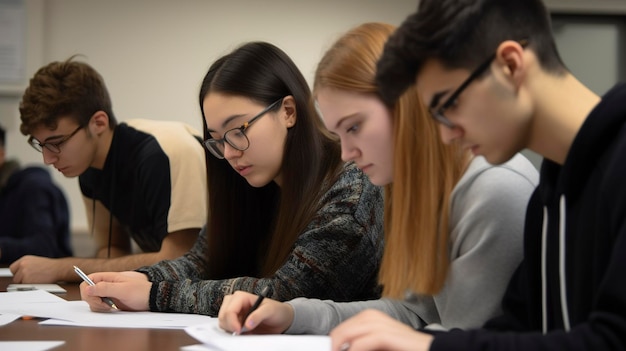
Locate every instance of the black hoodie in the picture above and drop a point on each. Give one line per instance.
(569, 293)
(34, 216)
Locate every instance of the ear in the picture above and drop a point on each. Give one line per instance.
(99, 123)
(512, 61)
(289, 108)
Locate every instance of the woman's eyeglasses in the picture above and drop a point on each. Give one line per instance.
(236, 137)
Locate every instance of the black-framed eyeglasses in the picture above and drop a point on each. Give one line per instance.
(438, 113)
(55, 146)
(236, 137)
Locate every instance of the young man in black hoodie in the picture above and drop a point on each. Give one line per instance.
(34, 215)
(491, 75)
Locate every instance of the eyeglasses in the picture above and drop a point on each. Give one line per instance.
(438, 114)
(236, 137)
(54, 147)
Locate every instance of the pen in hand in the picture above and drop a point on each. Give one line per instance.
(84, 276)
(256, 305)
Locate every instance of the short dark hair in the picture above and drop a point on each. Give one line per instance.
(69, 88)
(2, 136)
(461, 34)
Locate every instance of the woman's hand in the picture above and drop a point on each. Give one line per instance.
(130, 291)
(271, 317)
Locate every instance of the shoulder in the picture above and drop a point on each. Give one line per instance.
(518, 174)
(177, 140)
(33, 174)
(166, 131)
(353, 186)
(495, 189)
(354, 195)
(33, 178)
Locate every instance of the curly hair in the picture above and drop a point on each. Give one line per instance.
(64, 89)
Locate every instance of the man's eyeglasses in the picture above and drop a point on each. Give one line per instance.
(55, 146)
(236, 137)
(438, 113)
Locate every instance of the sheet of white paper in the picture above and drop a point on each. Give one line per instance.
(77, 313)
(12, 299)
(6, 318)
(36, 303)
(5, 272)
(29, 345)
(215, 338)
(39, 303)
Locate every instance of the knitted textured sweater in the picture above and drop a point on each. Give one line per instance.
(336, 257)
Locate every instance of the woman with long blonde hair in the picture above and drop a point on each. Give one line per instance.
(453, 222)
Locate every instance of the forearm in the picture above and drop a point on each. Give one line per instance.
(319, 317)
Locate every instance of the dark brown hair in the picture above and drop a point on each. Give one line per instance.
(252, 230)
(64, 89)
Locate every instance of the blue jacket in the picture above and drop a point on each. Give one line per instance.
(34, 217)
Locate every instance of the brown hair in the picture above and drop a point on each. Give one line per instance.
(64, 89)
(425, 169)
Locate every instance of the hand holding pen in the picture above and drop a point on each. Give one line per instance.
(256, 305)
(258, 314)
(85, 278)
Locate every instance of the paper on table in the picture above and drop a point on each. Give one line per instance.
(215, 338)
(5, 272)
(30, 303)
(6, 318)
(29, 345)
(13, 299)
(39, 303)
(77, 313)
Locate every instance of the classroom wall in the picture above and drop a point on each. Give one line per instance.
(154, 53)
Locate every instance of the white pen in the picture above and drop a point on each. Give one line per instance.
(84, 276)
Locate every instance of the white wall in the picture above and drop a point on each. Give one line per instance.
(153, 54)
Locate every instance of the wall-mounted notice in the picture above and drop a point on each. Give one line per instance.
(12, 27)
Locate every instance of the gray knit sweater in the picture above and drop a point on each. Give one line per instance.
(337, 257)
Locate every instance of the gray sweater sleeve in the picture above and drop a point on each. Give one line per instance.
(319, 317)
(487, 216)
(336, 257)
(487, 222)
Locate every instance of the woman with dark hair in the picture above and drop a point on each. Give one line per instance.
(284, 211)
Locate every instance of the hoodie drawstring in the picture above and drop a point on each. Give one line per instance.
(544, 279)
(562, 283)
(564, 308)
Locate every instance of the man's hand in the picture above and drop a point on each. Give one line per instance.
(34, 269)
(374, 330)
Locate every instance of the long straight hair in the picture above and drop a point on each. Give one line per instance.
(416, 254)
(252, 230)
